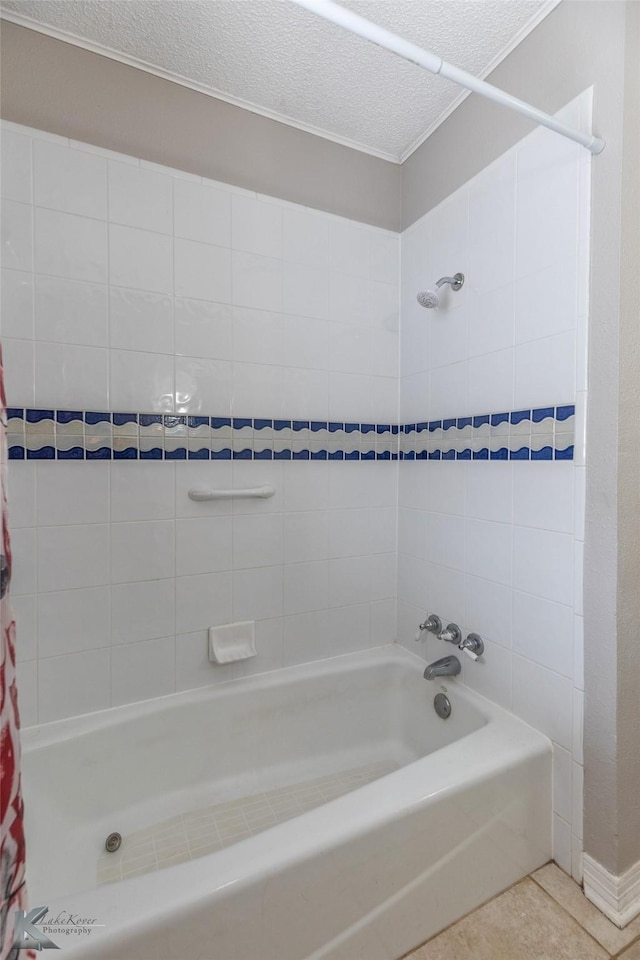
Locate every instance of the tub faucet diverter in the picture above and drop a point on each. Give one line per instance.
(445, 667)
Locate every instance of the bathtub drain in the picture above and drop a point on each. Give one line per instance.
(442, 705)
(112, 843)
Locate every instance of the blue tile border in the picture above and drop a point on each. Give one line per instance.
(540, 434)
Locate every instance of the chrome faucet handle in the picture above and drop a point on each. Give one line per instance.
(473, 646)
(452, 634)
(433, 624)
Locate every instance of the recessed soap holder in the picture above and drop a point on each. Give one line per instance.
(232, 642)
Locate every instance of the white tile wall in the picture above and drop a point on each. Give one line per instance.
(156, 269)
(115, 561)
(132, 287)
(497, 547)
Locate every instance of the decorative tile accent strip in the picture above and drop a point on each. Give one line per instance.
(546, 433)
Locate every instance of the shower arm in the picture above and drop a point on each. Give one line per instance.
(434, 64)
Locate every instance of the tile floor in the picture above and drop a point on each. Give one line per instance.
(544, 917)
(211, 828)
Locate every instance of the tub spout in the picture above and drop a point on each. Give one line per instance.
(446, 667)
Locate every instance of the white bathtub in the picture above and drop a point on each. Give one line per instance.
(464, 813)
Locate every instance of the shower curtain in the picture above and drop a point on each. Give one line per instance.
(12, 849)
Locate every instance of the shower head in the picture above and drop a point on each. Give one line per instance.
(431, 298)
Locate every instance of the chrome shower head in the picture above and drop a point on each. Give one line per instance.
(431, 298)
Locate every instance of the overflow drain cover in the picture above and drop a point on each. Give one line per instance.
(112, 843)
(442, 705)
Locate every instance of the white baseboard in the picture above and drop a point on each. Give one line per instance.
(617, 897)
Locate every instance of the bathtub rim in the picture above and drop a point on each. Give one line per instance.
(56, 731)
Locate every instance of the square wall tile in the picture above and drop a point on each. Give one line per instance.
(560, 285)
(349, 248)
(72, 621)
(142, 551)
(202, 271)
(73, 684)
(22, 494)
(72, 181)
(306, 536)
(27, 675)
(16, 316)
(16, 235)
(490, 676)
(193, 667)
(257, 593)
(489, 550)
(385, 256)
(543, 497)
(71, 493)
(142, 491)
(488, 610)
(140, 320)
(543, 564)
(15, 160)
(140, 259)
(349, 629)
(141, 671)
(203, 329)
(543, 632)
(202, 601)
(305, 290)
(306, 637)
(306, 586)
(257, 541)
(142, 611)
(203, 386)
(543, 699)
(269, 644)
(71, 377)
(256, 281)
(256, 226)
(23, 571)
(203, 546)
(71, 311)
(141, 381)
(545, 368)
(139, 197)
(73, 556)
(70, 246)
(305, 237)
(257, 336)
(562, 786)
(202, 213)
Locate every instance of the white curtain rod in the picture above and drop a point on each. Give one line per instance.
(429, 61)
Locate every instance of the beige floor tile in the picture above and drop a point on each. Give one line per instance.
(569, 895)
(633, 953)
(524, 923)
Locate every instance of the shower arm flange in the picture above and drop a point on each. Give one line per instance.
(456, 281)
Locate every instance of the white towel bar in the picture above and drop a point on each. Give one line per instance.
(265, 491)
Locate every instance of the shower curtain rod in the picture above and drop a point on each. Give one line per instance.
(429, 61)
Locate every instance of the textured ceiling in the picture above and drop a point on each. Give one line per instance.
(278, 59)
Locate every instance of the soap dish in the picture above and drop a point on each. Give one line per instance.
(232, 642)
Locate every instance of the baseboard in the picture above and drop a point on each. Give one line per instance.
(617, 897)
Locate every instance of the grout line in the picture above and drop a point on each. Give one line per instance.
(575, 919)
